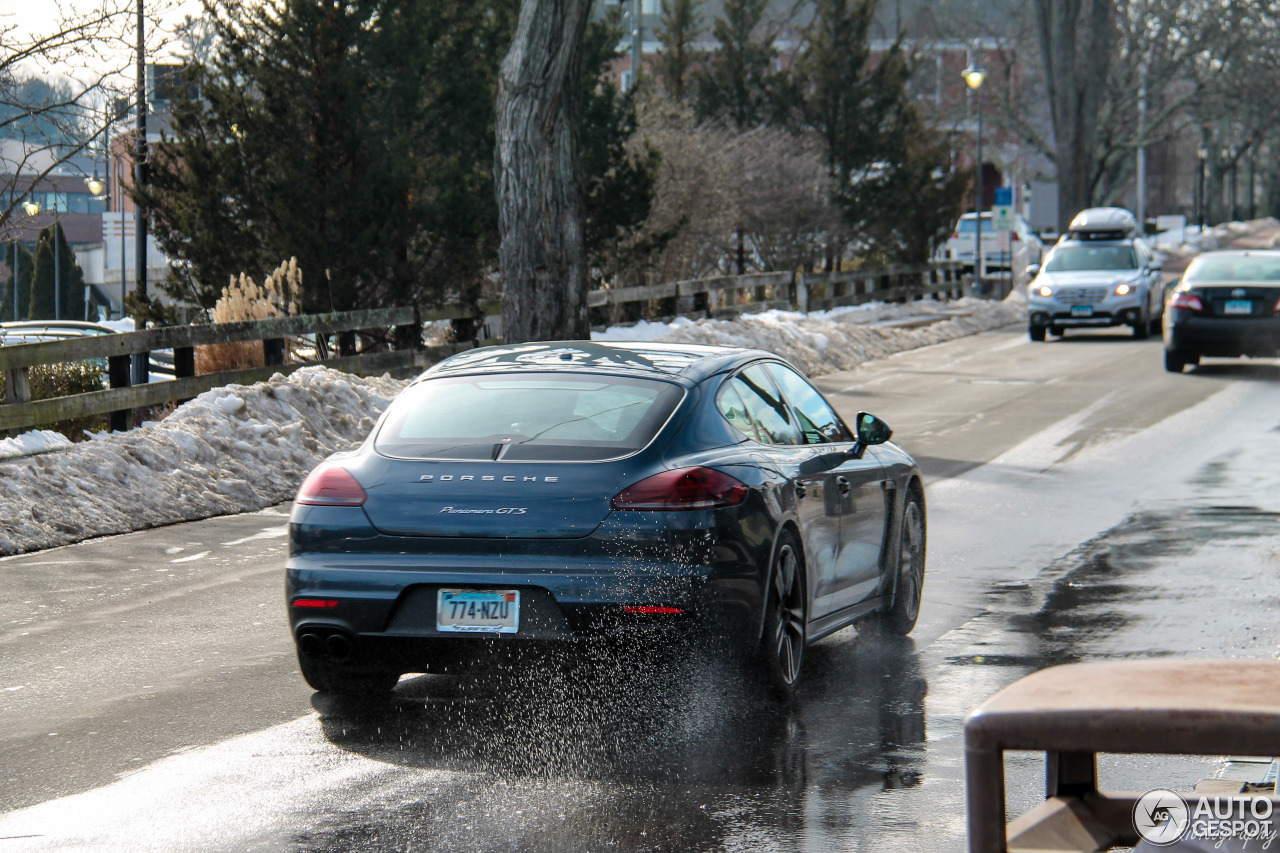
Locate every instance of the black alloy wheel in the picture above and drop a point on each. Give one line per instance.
(900, 617)
(785, 620)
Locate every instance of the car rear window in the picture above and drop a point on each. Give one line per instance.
(1091, 258)
(1233, 268)
(970, 225)
(553, 417)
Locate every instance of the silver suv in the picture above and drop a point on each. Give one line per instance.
(1097, 275)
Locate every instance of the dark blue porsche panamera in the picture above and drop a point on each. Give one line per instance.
(559, 491)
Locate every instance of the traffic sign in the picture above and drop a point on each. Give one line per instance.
(1002, 217)
(1004, 196)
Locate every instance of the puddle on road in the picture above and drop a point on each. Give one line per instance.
(635, 752)
(641, 752)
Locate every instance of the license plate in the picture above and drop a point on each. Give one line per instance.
(1081, 310)
(1238, 306)
(493, 611)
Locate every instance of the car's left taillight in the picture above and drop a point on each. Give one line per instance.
(331, 485)
(682, 489)
(1186, 301)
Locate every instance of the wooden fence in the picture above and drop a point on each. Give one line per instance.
(718, 297)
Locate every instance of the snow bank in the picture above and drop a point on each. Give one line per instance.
(230, 450)
(840, 339)
(243, 448)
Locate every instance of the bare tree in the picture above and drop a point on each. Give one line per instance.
(542, 257)
(45, 122)
(1075, 44)
(714, 183)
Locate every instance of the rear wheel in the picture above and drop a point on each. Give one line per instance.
(785, 619)
(1174, 361)
(900, 617)
(1057, 331)
(332, 678)
(1036, 332)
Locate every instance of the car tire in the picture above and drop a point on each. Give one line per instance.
(1142, 328)
(786, 616)
(1174, 361)
(343, 681)
(899, 618)
(1057, 331)
(1036, 332)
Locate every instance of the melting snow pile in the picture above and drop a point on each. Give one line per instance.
(843, 338)
(230, 450)
(243, 448)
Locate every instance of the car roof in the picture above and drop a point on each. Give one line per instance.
(694, 362)
(1102, 223)
(1193, 269)
(24, 331)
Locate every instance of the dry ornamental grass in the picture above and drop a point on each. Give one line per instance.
(243, 299)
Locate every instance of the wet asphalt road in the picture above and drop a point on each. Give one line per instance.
(1083, 504)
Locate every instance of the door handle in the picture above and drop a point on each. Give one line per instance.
(843, 485)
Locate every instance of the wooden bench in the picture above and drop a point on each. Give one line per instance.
(1073, 712)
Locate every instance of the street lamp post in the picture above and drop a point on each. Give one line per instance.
(974, 76)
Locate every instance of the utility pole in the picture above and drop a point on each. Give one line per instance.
(57, 271)
(637, 40)
(141, 359)
(1142, 149)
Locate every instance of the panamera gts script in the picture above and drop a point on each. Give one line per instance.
(502, 510)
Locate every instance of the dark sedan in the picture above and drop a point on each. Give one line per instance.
(1227, 305)
(553, 492)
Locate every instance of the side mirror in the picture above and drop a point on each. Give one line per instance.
(1033, 270)
(872, 430)
(1155, 266)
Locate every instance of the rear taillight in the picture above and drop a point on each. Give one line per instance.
(682, 489)
(1187, 301)
(331, 485)
(322, 603)
(1275, 309)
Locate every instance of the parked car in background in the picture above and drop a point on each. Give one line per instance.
(1097, 275)
(552, 492)
(997, 256)
(38, 331)
(1226, 305)
(160, 364)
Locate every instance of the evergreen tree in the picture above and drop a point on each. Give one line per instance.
(619, 186)
(41, 302)
(678, 25)
(26, 263)
(738, 84)
(888, 168)
(356, 135)
(49, 278)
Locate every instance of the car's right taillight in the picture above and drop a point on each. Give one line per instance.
(682, 489)
(330, 485)
(1186, 301)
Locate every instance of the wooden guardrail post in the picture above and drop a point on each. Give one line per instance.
(118, 376)
(272, 352)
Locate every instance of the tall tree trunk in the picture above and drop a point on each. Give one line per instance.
(1075, 38)
(542, 257)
